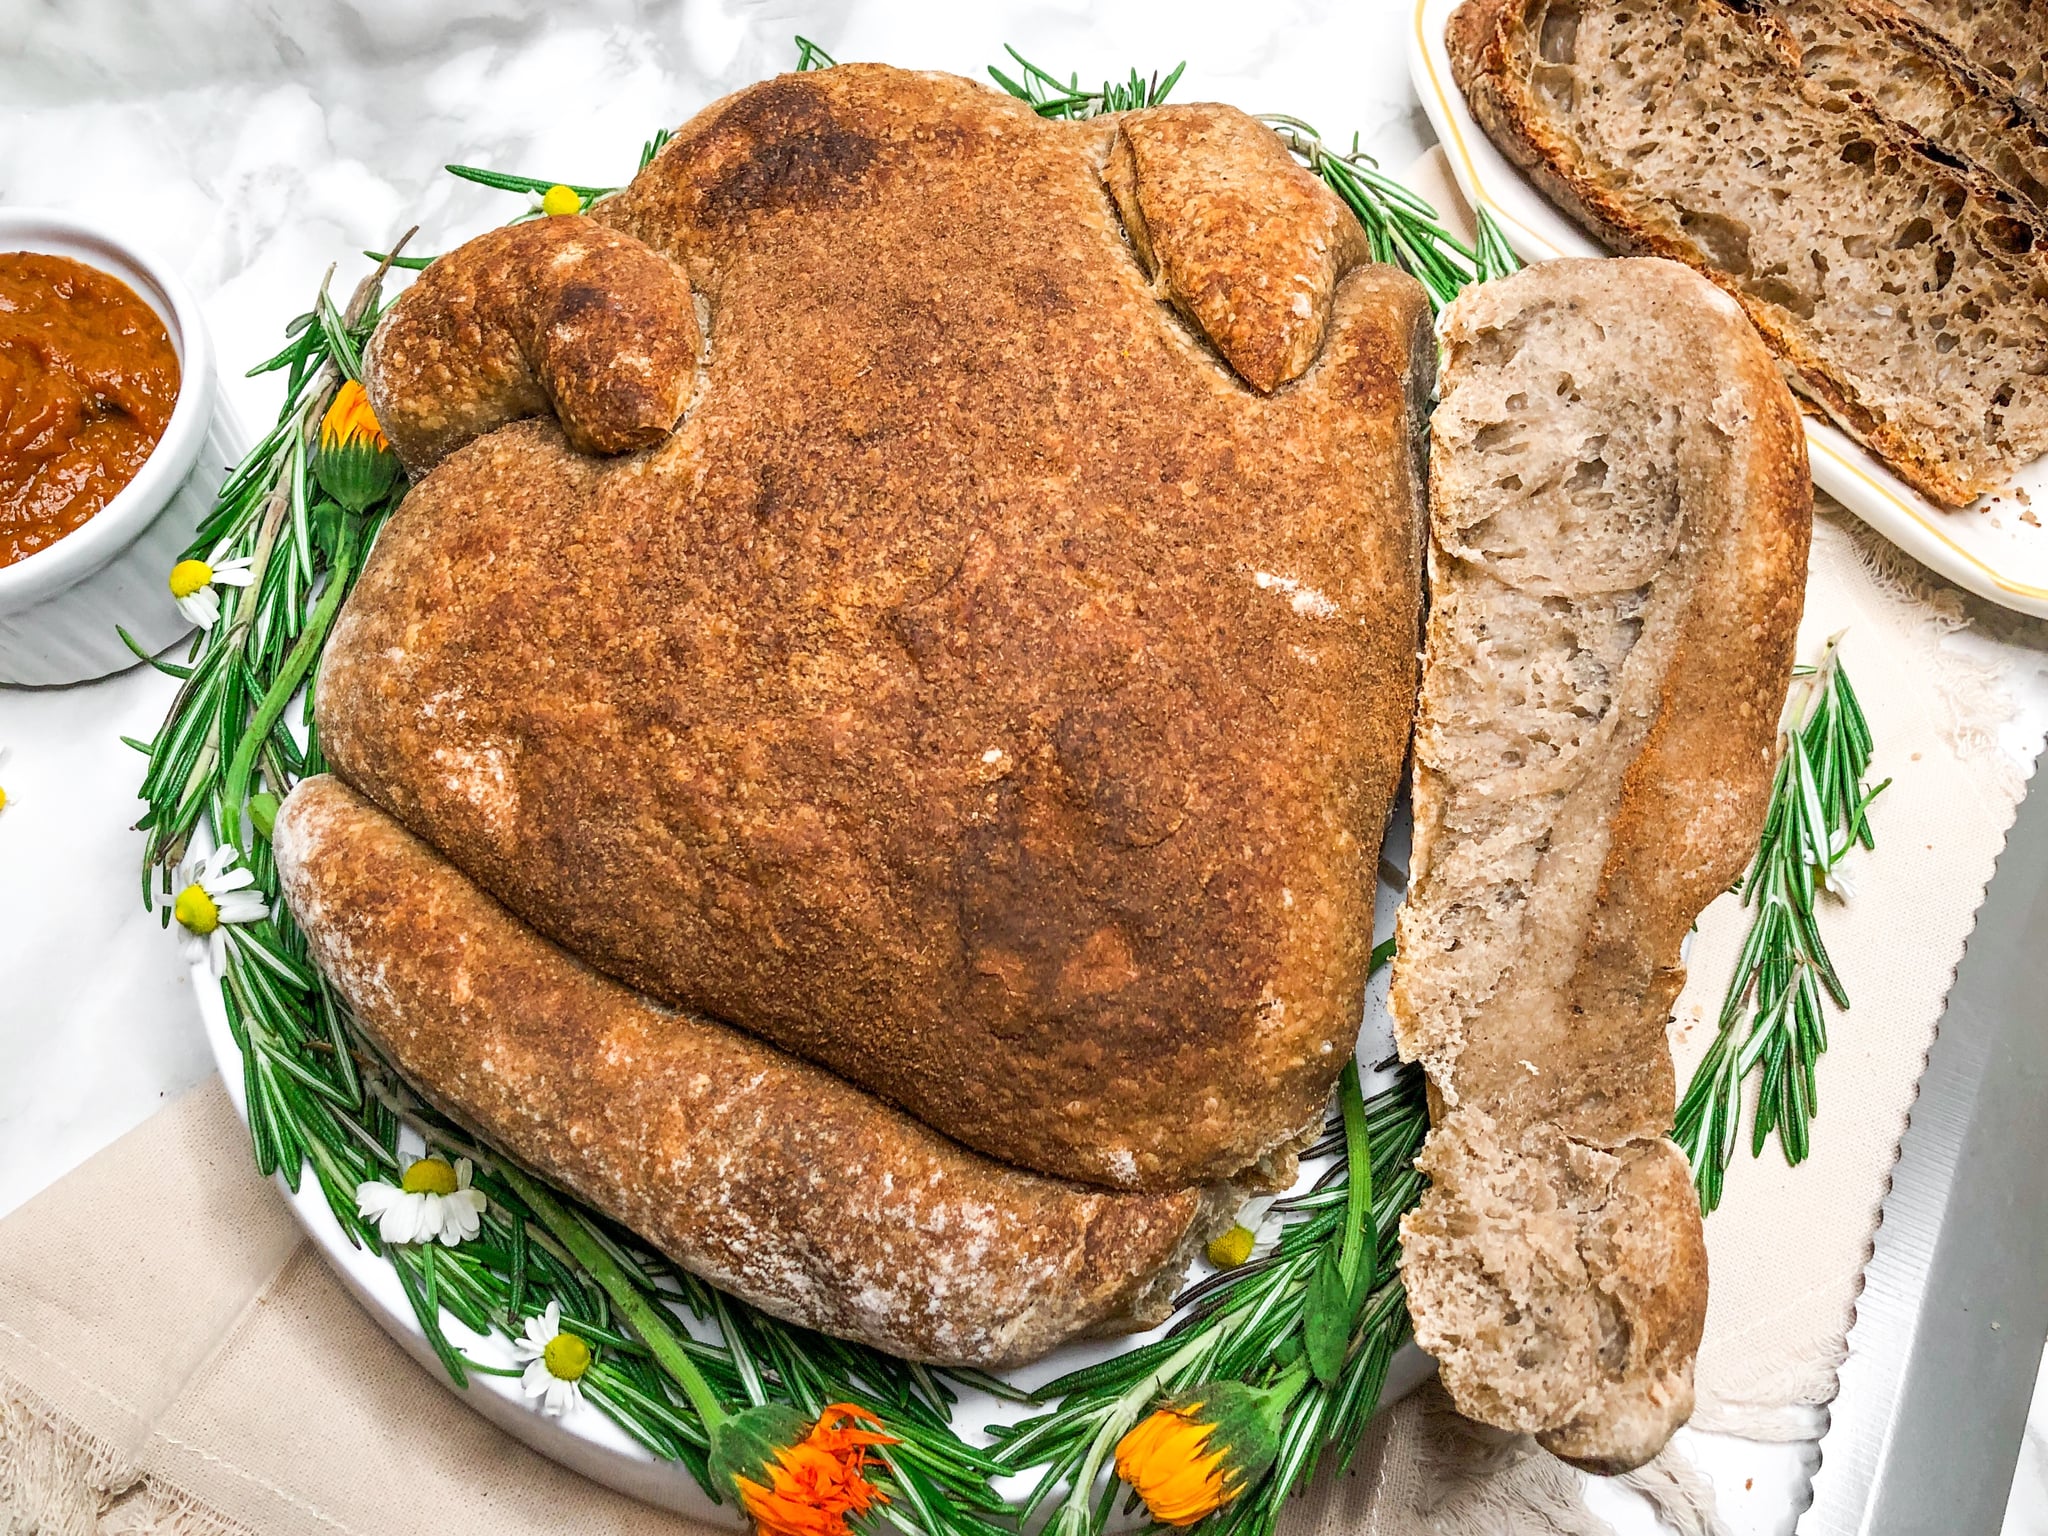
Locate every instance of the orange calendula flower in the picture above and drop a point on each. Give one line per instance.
(1196, 1452)
(350, 419)
(797, 1478)
(354, 464)
(1166, 1458)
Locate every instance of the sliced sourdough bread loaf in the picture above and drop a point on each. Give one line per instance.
(1906, 295)
(1619, 516)
(1874, 53)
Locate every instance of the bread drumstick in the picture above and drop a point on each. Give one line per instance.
(770, 1178)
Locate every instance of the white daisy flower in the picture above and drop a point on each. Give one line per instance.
(432, 1199)
(195, 584)
(555, 1360)
(212, 893)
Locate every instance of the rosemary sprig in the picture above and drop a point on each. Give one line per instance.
(1049, 96)
(504, 181)
(1773, 1019)
(1401, 227)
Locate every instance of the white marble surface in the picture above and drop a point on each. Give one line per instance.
(254, 143)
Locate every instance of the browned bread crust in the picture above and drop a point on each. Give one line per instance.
(983, 693)
(1239, 237)
(1947, 391)
(558, 314)
(1620, 515)
(772, 1179)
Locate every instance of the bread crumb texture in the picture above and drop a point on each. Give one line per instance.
(1905, 290)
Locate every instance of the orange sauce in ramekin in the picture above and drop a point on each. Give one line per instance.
(88, 378)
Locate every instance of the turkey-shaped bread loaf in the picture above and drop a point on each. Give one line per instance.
(933, 588)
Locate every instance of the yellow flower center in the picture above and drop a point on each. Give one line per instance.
(567, 1357)
(188, 576)
(1232, 1248)
(196, 910)
(559, 200)
(429, 1176)
(3, 799)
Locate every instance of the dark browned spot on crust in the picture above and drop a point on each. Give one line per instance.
(798, 154)
(579, 299)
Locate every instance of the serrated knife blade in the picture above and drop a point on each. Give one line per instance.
(1926, 1426)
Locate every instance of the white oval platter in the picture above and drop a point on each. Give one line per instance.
(1997, 547)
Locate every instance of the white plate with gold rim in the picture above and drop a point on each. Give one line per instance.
(1996, 547)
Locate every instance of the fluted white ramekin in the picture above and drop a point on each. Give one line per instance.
(59, 606)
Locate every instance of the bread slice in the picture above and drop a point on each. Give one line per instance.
(1619, 515)
(1872, 52)
(1907, 296)
(2007, 39)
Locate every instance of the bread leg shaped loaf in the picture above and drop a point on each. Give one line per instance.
(1620, 514)
(770, 1178)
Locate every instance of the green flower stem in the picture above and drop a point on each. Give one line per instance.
(235, 784)
(653, 1325)
(1361, 1240)
(1279, 1396)
(1074, 1514)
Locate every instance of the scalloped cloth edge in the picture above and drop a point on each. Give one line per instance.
(58, 1480)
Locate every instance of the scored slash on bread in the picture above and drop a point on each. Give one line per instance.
(1906, 294)
(1619, 515)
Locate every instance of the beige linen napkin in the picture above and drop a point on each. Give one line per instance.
(175, 1357)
